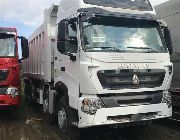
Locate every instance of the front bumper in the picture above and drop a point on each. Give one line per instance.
(8, 101)
(102, 115)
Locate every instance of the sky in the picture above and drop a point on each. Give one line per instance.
(27, 15)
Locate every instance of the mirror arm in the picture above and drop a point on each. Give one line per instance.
(19, 61)
(20, 37)
(72, 56)
(63, 40)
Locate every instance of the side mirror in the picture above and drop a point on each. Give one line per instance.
(25, 48)
(62, 36)
(168, 40)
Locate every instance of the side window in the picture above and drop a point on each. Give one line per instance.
(67, 38)
(62, 37)
(73, 45)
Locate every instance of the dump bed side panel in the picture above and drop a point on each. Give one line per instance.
(170, 13)
(39, 65)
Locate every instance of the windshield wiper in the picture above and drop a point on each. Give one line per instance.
(145, 48)
(103, 48)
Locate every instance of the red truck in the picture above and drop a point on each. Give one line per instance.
(10, 67)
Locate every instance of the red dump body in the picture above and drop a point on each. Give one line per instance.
(9, 68)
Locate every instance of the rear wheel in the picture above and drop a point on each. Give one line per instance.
(27, 92)
(46, 101)
(45, 106)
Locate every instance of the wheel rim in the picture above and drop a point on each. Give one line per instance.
(62, 118)
(45, 106)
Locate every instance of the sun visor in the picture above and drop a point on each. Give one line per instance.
(141, 5)
(89, 13)
(7, 31)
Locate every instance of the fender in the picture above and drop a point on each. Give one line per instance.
(61, 90)
(70, 87)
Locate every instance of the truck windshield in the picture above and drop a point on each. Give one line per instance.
(123, 36)
(7, 45)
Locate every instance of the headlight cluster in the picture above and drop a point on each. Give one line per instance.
(90, 106)
(12, 91)
(167, 99)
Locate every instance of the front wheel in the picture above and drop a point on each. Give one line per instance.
(64, 118)
(62, 115)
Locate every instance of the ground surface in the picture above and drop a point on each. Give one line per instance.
(30, 124)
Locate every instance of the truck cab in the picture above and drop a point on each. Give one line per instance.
(102, 62)
(9, 68)
(114, 59)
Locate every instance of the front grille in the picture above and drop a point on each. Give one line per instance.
(123, 79)
(3, 75)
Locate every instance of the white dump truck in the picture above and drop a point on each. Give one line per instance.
(102, 62)
(170, 13)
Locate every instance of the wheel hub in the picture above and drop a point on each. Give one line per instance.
(62, 118)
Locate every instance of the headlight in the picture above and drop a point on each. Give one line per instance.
(90, 106)
(167, 99)
(12, 91)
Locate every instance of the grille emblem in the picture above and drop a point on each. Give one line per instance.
(135, 80)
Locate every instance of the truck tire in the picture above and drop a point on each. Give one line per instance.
(63, 117)
(28, 94)
(45, 101)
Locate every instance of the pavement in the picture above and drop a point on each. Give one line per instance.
(29, 123)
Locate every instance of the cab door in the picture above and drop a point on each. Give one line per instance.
(67, 64)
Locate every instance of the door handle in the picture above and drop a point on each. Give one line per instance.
(63, 69)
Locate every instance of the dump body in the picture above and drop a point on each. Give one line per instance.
(41, 44)
(169, 12)
(9, 68)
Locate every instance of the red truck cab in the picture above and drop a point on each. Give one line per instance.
(10, 67)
